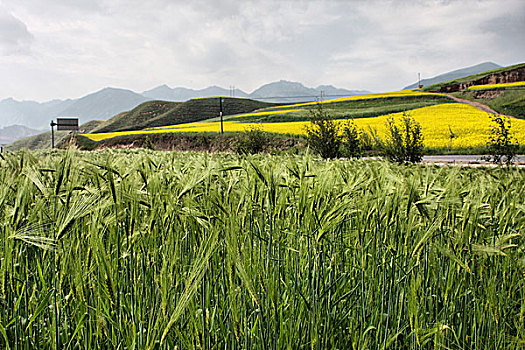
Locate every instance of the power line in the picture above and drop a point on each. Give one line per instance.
(305, 96)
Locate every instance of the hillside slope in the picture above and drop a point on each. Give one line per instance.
(289, 92)
(43, 140)
(12, 133)
(103, 104)
(509, 102)
(456, 74)
(509, 74)
(162, 113)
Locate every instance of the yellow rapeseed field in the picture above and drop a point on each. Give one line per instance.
(469, 125)
(492, 86)
(402, 93)
(234, 116)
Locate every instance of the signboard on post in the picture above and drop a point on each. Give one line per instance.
(67, 124)
(63, 124)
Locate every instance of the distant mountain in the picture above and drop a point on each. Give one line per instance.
(42, 140)
(459, 73)
(180, 94)
(288, 91)
(103, 104)
(333, 92)
(279, 91)
(14, 132)
(20, 113)
(503, 75)
(108, 102)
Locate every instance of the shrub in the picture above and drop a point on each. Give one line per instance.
(323, 134)
(352, 144)
(148, 144)
(251, 141)
(404, 143)
(370, 140)
(502, 145)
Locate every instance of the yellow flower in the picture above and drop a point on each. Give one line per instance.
(469, 125)
(492, 86)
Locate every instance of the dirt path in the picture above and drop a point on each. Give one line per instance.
(478, 105)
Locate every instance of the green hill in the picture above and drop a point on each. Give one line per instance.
(137, 117)
(456, 74)
(161, 113)
(500, 75)
(364, 108)
(509, 101)
(43, 140)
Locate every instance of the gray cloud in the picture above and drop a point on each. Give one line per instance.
(79, 46)
(15, 39)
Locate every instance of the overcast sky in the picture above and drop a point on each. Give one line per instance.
(69, 48)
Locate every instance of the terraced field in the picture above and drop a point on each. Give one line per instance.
(438, 115)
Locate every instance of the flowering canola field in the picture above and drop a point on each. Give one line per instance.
(470, 125)
(401, 93)
(493, 86)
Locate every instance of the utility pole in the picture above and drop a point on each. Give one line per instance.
(52, 124)
(221, 100)
(419, 81)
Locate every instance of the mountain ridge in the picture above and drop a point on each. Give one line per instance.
(109, 101)
(455, 74)
(12, 133)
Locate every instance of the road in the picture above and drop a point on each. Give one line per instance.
(468, 160)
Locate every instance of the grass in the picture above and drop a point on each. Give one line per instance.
(161, 113)
(508, 102)
(142, 249)
(474, 77)
(518, 84)
(469, 125)
(43, 141)
(364, 108)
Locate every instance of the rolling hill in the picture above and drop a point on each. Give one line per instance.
(102, 104)
(501, 75)
(161, 113)
(99, 105)
(108, 102)
(289, 92)
(180, 94)
(12, 133)
(509, 101)
(43, 139)
(459, 73)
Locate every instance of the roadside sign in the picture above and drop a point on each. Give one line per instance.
(67, 124)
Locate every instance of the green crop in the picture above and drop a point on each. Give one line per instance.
(143, 249)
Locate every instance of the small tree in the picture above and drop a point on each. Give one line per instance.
(352, 146)
(323, 134)
(251, 141)
(502, 145)
(451, 136)
(404, 143)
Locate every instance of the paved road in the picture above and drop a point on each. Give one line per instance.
(462, 158)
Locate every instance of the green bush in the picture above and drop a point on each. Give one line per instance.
(404, 143)
(352, 144)
(502, 145)
(323, 134)
(252, 141)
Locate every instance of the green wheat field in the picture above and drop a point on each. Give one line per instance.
(137, 249)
